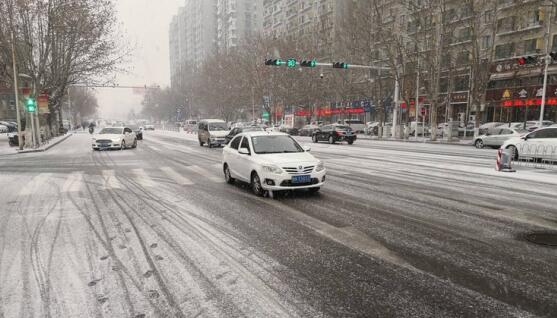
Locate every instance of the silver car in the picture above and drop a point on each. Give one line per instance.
(497, 137)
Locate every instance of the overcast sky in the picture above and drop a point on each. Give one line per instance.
(145, 23)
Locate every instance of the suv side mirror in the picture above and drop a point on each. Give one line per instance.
(243, 151)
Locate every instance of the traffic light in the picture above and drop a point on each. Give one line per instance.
(308, 63)
(291, 63)
(340, 65)
(527, 60)
(274, 62)
(30, 105)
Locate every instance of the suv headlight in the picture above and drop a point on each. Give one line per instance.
(116, 140)
(320, 167)
(272, 169)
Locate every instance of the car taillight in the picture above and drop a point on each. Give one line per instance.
(337, 133)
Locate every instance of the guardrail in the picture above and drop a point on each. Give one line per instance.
(536, 156)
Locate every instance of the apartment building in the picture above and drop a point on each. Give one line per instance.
(238, 20)
(193, 35)
(316, 21)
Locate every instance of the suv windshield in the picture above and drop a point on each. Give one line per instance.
(275, 144)
(111, 131)
(217, 127)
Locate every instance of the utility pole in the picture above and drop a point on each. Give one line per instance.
(417, 103)
(16, 90)
(547, 60)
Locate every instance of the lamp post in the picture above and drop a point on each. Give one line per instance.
(16, 91)
(547, 61)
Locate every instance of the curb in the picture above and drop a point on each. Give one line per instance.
(418, 142)
(50, 145)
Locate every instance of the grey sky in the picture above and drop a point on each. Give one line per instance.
(145, 23)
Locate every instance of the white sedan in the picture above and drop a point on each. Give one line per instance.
(114, 138)
(271, 161)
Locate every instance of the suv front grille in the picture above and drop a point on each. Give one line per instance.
(104, 141)
(295, 170)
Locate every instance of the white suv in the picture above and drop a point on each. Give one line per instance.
(272, 162)
(541, 143)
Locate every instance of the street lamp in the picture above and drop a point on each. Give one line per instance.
(16, 91)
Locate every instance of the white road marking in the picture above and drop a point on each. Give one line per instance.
(207, 174)
(74, 182)
(110, 181)
(178, 178)
(143, 179)
(35, 184)
(155, 149)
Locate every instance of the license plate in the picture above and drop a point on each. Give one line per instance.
(104, 145)
(301, 179)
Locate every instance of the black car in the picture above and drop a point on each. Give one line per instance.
(292, 131)
(334, 133)
(137, 130)
(308, 130)
(234, 131)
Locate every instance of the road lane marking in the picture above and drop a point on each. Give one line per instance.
(207, 174)
(110, 181)
(35, 184)
(178, 178)
(74, 182)
(155, 148)
(143, 179)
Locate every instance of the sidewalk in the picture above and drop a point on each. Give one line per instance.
(458, 142)
(5, 148)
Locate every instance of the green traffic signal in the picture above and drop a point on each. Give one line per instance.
(31, 105)
(308, 63)
(291, 63)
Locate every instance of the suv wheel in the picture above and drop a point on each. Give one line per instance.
(331, 140)
(201, 143)
(479, 144)
(314, 138)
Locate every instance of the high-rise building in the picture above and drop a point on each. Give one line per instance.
(192, 36)
(319, 20)
(237, 20)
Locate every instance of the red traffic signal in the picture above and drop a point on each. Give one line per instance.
(527, 60)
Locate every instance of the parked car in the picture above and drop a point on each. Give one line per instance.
(190, 125)
(271, 162)
(308, 130)
(420, 127)
(534, 145)
(212, 132)
(3, 129)
(149, 127)
(292, 131)
(487, 127)
(357, 126)
(497, 137)
(114, 138)
(333, 134)
(137, 130)
(372, 128)
(239, 130)
(534, 125)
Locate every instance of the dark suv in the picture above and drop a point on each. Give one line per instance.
(334, 133)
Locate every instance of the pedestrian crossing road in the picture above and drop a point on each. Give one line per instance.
(399, 230)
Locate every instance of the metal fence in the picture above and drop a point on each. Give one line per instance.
(536, 156)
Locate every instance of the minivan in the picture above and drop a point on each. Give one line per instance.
(357, 126)
(212, 132)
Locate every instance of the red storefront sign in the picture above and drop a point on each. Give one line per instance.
(552, 101)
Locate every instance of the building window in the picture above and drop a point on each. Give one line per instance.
(486, 42)
(461, 83)
(531, 46)
(504, 51)
(506, 24)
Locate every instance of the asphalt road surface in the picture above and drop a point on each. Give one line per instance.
(399, 230)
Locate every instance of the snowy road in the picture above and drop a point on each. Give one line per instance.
(400, 230)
